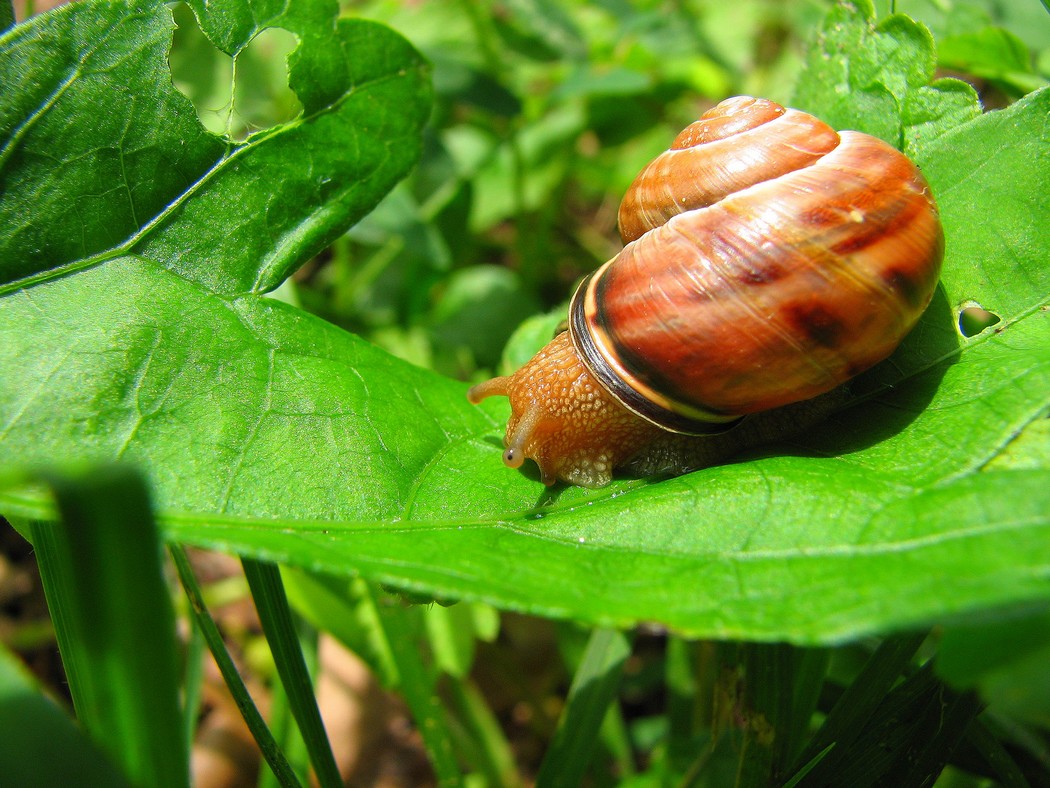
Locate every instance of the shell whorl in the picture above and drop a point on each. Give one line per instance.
(769, 260)
(741, 142)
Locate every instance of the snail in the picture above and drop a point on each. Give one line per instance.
(768, 260)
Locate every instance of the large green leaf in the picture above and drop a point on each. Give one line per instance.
(271, 433)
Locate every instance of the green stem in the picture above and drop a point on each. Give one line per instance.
(593, 690)
(271, 752)
(491, 750)
(417, 688)
(264, 580)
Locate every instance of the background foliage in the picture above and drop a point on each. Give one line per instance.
(148, 315)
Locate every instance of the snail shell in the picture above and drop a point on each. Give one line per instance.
(768, 260)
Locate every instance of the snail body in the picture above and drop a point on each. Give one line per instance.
(768, 260)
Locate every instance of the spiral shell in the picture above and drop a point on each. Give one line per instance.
(768, 260)
(801, 259)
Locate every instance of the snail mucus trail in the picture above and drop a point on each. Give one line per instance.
(768, 260)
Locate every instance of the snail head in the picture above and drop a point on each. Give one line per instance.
(564, 420)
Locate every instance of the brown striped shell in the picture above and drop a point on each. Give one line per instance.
(768, 260)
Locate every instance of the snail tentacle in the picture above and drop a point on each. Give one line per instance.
(493, 387)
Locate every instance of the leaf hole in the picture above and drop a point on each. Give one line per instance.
(233, 96)
(973, 319)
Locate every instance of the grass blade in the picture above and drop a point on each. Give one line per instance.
(781, 683)
(271, 752)
(847, 718)
(492, 751)
(264, 580)
(102, 575)
(594, 688)
(286, 733)
(417, 687)
(384, 634)
(810, 670)
(902, 732)
(988, 747)
(193, 681)
(948, 721)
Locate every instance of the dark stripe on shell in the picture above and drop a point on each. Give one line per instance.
(582, 331)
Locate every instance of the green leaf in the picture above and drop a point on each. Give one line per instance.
(35, 728)
(233, 218)
(995, 167)
(73, 190)
(1005, 658)
(991, 53)
(480, 308)
(856, 74)
(539, 29)
(270, 433)
(204, 229)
